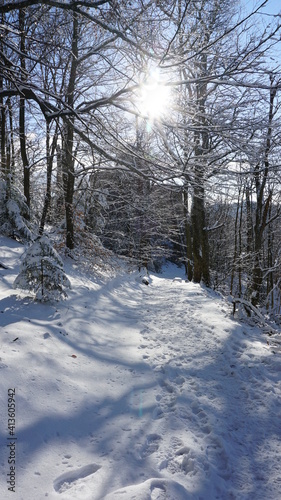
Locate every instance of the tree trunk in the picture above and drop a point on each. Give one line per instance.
(201, 140)
(188, 237)
(68, 159)
(235, 253)
(3, 119)
(3, 134)
(200, 245)
(50, 157)
(22, 135)
(270, 280)
(262, 208)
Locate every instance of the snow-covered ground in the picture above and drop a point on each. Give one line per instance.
(127, 391)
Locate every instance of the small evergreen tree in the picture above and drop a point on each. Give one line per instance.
(42, 271)
(14, 213)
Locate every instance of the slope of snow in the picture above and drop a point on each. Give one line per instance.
(127, 391)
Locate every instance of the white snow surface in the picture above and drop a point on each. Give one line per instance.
(125, 391)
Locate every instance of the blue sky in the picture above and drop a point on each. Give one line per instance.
(272, 6)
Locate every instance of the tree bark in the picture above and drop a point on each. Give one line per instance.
(262, 208)
(22, 135)
(68, 159)
(188, 237)
(50, 158)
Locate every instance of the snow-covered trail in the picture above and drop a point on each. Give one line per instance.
(126, 391)
(78, 379)
(219, 395)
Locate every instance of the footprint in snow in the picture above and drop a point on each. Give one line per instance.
(183, 460)
(151, 445)
(217, 455)
(158, 493)
(169, 388)
(66, 480)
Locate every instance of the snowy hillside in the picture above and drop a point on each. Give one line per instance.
(127, 391)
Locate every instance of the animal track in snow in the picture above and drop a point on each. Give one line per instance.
(66, 480)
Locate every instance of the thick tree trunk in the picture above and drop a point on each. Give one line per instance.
(3, 118)
(22, 135)
(188, 238)
(68, 159)
(200, 239)
(3, 134)
(201, 140)
(257, 274)
(270, 279)
(25, 163)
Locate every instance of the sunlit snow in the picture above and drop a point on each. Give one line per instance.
(128, 391)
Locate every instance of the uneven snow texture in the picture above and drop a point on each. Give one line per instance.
(127, 391)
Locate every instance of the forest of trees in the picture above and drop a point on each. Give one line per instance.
(196, 180)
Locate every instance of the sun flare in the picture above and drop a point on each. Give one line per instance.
(154, 97)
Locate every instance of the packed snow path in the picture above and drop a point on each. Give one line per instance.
(127, 391)
(219, 395)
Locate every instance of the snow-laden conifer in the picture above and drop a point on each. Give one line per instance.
(13, 212)
(42, 271)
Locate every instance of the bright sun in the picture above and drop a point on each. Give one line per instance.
(154, 97)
